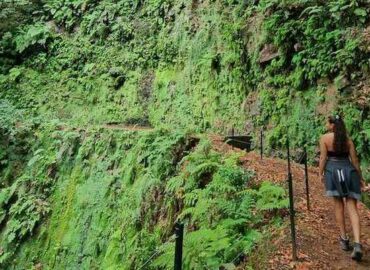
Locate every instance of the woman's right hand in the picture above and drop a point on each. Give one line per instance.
(322, 179)
(363, 185)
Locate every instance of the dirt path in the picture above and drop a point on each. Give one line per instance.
(122, 127)
(126, 127)
(317, 233)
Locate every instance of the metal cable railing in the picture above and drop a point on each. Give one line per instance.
(156, 252)
(240, 253)
(179, 227)
(287, 156)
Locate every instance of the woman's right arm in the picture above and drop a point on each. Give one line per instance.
(323, 157)
(354, 158)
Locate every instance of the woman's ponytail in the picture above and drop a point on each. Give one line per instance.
(340, 134)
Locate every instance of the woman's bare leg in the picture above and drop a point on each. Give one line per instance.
(354, 217)
(339, 215)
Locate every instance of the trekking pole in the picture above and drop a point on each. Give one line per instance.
(291, 204)
(179, 234)
(306, 178)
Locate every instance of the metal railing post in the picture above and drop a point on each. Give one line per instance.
(232, 134)
(179, 234)
(306, 178)
(291, 204)
(261, 143)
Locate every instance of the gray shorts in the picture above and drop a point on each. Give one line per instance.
(342, 178)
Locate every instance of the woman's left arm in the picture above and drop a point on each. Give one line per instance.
(323, 157)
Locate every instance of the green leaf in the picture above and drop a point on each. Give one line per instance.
(11, 237)
(360, 12)
(367, 133)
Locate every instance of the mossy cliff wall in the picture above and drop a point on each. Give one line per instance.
(108, 199)
(205, 65)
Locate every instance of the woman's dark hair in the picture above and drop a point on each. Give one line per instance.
(340, 134)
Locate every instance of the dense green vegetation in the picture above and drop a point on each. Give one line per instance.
(105, 199)
(193, 64)
(178, 66)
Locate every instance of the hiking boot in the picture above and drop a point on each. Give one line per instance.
(344, 243)
(357, 251)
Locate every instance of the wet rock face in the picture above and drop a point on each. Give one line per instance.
(146, 86)
(268, 53)
(331, 98)
(341, 82)
(361, 95)
(298, 47)
(251, 106)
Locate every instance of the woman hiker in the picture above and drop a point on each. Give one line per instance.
(340, 170)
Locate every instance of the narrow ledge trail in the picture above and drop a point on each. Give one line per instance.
(121, 127)
(316, 230)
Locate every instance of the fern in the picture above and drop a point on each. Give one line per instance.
(271, 197)
(37, 34)
(201, 250)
